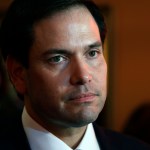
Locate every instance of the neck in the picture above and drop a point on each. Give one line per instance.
(72, 136)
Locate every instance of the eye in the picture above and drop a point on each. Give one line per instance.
(56, 59)
(93, 53)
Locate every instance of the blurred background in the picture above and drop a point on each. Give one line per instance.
(127, 50)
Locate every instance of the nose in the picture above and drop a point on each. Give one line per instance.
(80, 73)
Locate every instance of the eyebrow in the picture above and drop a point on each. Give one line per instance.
(95, 44)
(57, 51)
(69, 52)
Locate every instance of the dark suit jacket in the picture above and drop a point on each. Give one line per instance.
(12, 137)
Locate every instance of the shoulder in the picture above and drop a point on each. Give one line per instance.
(117, 141)
(12, 135)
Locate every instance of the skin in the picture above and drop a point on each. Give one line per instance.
(64, 87)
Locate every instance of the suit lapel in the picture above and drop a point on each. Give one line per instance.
(102, 138)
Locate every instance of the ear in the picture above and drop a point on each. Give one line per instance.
(17, 74)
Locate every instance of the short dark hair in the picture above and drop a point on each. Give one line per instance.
(16, 33)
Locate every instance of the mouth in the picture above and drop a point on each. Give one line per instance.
(84, 97)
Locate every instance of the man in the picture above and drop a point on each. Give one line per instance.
(54, 57)
(9, 104)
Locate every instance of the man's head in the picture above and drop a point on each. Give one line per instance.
(64, 79)
(17, 29)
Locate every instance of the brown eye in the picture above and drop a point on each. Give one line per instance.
(93, 53)
(57, 59)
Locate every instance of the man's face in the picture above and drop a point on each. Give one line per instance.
(66, 78)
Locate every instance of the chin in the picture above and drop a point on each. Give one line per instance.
(84, 120)
(82, 123)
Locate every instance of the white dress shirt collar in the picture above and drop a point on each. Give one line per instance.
(41, 139)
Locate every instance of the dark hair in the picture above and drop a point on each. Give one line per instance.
(16, 33)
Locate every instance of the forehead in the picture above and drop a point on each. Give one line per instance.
(71, 26)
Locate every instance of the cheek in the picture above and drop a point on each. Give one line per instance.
(100, 78)
(44, 95)
(50, 85)
(100, 71)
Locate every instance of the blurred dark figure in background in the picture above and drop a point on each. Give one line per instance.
(139, 123)
(3, 80)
